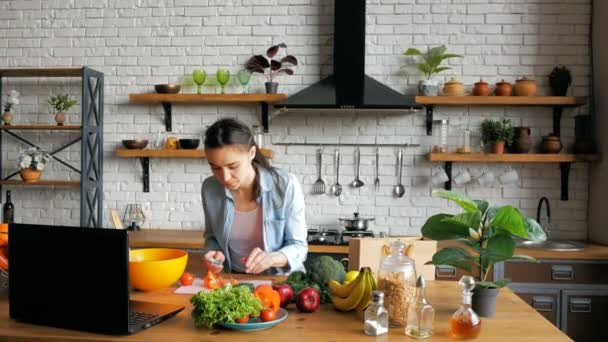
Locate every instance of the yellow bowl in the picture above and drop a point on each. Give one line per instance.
(156, 268)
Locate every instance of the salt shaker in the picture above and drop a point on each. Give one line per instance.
(376, 316)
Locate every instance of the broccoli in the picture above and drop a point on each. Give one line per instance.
(325, 268)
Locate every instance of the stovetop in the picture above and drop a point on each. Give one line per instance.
(320, 236)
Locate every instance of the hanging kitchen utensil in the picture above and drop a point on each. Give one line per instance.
(336, 189)
(377, 180)
(399, 189)
(319, 186)
(357, 183)
(356, 222)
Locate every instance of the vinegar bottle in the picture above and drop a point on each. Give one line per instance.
(465, 323)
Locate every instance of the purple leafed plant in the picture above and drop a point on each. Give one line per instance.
(260, 63)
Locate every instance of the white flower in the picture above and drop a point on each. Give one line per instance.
(33, 158)
(13, 93)
(25, 161)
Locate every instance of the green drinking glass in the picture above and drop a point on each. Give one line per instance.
(199, 77)
(223, 76)
(243, 76)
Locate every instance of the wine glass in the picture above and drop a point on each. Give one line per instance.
(199, 77)
(244, 76)
(223, 76)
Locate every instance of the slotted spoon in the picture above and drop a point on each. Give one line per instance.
(319, 186)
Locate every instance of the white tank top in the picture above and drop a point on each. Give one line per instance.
(245, 235)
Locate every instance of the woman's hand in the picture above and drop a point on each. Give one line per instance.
(259, 261)
(218, 257)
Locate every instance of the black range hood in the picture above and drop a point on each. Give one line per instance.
(349, 87)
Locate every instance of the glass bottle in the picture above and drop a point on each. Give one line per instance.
(8, 209)
(465, 142)
(420, 314)
(376, 316)
(464, 323)
(258, 135)
(397, 279)
(441, 139)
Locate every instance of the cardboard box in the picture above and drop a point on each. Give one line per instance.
(367, 252)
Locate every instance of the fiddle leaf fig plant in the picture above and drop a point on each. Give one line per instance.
(431, 61)
(486, 235)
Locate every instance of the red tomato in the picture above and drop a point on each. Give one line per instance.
(187, 279)
(243, 320)
(268, 315)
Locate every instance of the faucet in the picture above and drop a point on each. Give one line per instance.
(538, 210)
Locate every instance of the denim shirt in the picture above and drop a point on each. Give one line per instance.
(283, 219)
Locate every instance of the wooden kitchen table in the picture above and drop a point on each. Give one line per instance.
(514, 321)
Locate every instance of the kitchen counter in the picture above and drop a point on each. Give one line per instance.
(514, 321)
(194, 239)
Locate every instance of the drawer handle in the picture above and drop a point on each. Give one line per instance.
(542, 303)
(445, 271)
(580, 304)
(562, 272)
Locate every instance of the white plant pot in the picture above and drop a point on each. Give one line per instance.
(428, 87)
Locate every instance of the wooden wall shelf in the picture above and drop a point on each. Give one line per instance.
(145, 155)
(556, 102)
(168, 99)
(41, 72)
(41, 127)
(74, 184)
(564, 160)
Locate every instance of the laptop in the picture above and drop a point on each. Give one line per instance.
(76, 278)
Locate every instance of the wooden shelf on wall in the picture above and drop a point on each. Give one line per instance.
(74, 184)
(502, 100)
(207, 98)
(41, 72)
(511, 158)
(180, 153)
(41, 127)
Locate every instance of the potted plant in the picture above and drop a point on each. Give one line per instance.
(430, 65)
(487, 236)
(497, 133)
(260, 64)
(61, 104)
(559, 80)
(32, 162)
(11, 99)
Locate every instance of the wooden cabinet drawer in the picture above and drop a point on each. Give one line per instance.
(556, 272)
(585, 315)
(545, 303)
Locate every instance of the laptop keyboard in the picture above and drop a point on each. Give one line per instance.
(136, 317)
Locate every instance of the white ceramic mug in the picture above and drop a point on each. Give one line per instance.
(438, 176)
(509, 177)
(486, 179)
(463, 177)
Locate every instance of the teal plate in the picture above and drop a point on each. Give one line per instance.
(255, 323)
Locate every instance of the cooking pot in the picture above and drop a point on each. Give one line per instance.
(355, 222)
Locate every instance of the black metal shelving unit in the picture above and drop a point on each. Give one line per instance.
(91, 138)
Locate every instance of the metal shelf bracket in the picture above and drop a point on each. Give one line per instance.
(448, 171)
(557, 118)
(429, 120)
(565, 173)
(145, 165)
(168, 116)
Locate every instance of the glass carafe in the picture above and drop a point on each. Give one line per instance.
(397, 279)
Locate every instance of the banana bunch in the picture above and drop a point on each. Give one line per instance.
(354, 295)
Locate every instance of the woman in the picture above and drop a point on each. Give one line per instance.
(254, 213)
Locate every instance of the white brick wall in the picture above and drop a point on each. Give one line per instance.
(144, 42)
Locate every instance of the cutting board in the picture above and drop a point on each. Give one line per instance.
(367, 252)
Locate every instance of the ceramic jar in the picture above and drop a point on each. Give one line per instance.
(522, 141)
(7, 117)
(503, 88)
(525, 87)
(30, 175)
(481, 88)
(60, 118)
(453, 88)
(551, 144)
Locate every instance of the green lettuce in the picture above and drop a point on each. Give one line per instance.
(225, 304)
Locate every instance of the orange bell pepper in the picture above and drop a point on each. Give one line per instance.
(213, 281)
(268, 297)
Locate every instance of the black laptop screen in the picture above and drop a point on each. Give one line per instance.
(69, 277)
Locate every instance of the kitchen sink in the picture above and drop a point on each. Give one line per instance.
(554, 245)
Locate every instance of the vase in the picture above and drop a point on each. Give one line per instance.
(427, 88)
(60, 118)
(481, 88)
(30, 175)
(503, 88)
(484, 301)
(525, 87)
(551, 144)
(271, 87)
(522, 142)
(498, 147)
(7, 118)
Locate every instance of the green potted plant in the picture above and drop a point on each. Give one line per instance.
(32, 162)
(487, 236)
(260, 64)
(12, 99)
(559, 80)
(61, 104)
(497, 134)
(430, 65)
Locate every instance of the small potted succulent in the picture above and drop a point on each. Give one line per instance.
(559, 80)
(497, 134)
(485, 236)
(260, 64)
(32, 162)
(429, 66)
(61, 104)
(12, 99)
